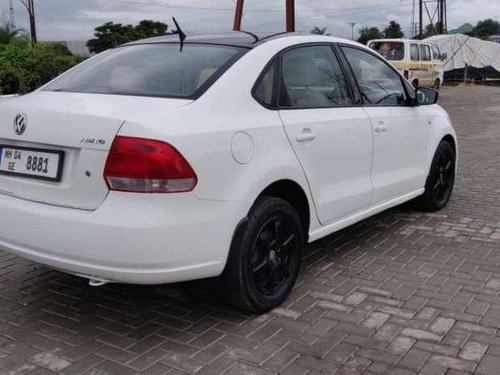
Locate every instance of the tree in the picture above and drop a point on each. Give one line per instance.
(369, 33)
(112, 34)
(24, 68)
(430, 30)
(393, 30)
(148, 29)
(319, 30)
(486, 28)
(7, 34)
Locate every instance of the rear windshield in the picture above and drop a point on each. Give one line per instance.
(160, 70)
(394, 51)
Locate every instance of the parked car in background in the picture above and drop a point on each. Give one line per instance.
(224, 156)
(421, 63)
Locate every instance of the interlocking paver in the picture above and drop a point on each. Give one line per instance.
(404, 292)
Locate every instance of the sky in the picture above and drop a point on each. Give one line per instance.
(76, 19)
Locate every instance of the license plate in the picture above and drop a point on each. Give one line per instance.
(31, 162)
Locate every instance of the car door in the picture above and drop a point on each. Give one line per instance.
(330, 134)
(400, 132)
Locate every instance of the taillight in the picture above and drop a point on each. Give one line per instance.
(147, 166)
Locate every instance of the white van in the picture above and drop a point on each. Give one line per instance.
(420, 62)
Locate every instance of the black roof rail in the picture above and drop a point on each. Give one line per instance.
(251, 34)
(272, 36)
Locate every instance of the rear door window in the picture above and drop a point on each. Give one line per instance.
(312, 78)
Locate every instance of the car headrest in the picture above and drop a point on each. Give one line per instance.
(127, 79)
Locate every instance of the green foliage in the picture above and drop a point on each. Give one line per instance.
(24, 68)
(431, 30)
(369, 33)
(319, 30)
(393, 30)
(7, 35)
(112, 34)
(486, 28)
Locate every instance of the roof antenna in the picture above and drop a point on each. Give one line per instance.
(182, 36)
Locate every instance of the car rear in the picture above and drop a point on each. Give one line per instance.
(81, 194)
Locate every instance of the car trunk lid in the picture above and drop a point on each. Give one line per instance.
(81, 127)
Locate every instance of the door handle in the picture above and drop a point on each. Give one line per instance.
(381, 127)
(306, 136)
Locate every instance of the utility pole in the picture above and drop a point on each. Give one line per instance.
(413, 18)
(238, 15)
(12, 15)
(442, 25)
(30, 7)
(421, 18)
(290, 16)
(353, 24)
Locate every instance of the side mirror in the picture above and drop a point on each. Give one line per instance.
(444, 57)
(426, 96)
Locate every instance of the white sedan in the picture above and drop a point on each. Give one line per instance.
(155, 163)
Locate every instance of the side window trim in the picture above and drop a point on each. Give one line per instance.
(274, 101)
(364, 104)
(335, 56)
(356, 97)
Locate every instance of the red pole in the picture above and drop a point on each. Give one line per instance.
(290, 15)
(238, 15)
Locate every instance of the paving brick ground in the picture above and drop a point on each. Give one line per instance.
(401, 293)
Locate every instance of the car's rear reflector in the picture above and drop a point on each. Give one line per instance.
(147, 166)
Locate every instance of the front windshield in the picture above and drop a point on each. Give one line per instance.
(157, 69)
(393, 51)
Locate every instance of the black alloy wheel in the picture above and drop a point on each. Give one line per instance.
(265, 256)
(441, 180)
(273, 255)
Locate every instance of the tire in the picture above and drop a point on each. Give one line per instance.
(441, 179)
(437, 84)
(415, 83)
(265, 256)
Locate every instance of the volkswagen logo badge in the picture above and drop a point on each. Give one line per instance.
(20, 123)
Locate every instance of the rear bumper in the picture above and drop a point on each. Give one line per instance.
(131, 238)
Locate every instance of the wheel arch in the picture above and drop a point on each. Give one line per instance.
(449, 138)
(294, 194)
(288, 190)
